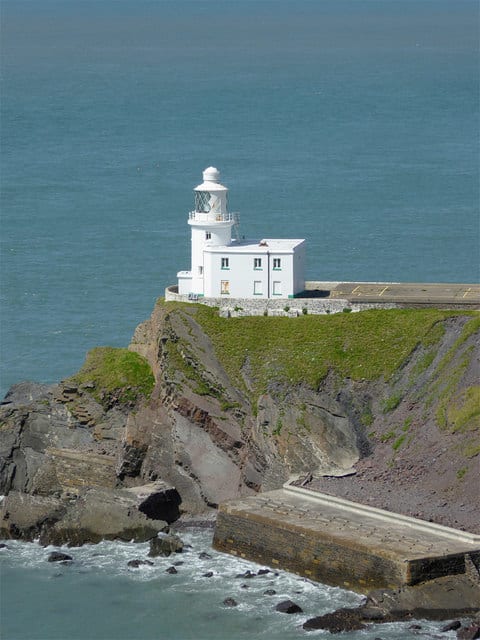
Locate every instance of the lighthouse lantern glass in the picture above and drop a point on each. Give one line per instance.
(202, 201)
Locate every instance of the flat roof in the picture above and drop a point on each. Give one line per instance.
(263, 246)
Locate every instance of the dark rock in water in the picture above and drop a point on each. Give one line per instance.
(287, 606)
(270, 592)
(178, 563)
(230, 602)
(209, 574)
(373, 614)
(204, 556)
(263, 572)
(3, 545)
(165, 545)
(171, 570)
(135, 564)
(471, 632)
(247, 574)
(336, 622)
(451, 626)
(58, 556)
(415, 627)
(244, 586)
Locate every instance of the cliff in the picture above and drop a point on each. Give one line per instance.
(380, 406)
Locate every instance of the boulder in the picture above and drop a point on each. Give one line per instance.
(23, 516)
(135, 564)
(451, 626)
(230, 602)
(287, 606)
(99, 514)
(157, 500)
(472, 632)
(171, 570)
(58, 556)
(164, 545)
(341, 620)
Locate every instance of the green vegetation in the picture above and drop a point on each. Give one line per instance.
(391, 403)
(446, 395)
(398, 442)
(116, 375)
(463, 412)
(388, 436)
(367, 417)
(472, 449)
(461, 472)
(180, 358)
(366, 345)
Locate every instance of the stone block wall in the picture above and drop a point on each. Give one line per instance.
(290, 307)
(315, 556)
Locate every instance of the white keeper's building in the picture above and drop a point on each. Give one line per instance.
(223, 266)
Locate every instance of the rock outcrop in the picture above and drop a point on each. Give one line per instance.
(211, 433)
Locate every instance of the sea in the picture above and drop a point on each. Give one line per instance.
(351, 123)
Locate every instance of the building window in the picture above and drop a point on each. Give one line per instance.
(224, 287)
(257, 263)
(277, 288)
(257, 288)
(225, 263)
(208, 235)
(277, 264)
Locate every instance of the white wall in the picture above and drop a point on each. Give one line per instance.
(241, 274)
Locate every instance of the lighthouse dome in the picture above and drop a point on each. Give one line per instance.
(211, 174)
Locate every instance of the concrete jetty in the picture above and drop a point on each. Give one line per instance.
(339, 542)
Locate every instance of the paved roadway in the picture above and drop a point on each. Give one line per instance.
(414, 293)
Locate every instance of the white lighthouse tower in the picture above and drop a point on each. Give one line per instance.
(211, 226)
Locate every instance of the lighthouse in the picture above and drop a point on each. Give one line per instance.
(224, 267)
(210, 224)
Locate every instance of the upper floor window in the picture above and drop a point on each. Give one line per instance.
(208, 235)
(257, 263)
(277, 264)
(225, 263)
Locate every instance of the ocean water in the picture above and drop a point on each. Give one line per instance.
(351, 123)
(99, 597)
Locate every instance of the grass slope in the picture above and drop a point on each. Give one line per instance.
(361, 346)
(115, 374)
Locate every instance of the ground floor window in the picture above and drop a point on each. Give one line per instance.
(257, 288)
(224, 286)
(277, 288)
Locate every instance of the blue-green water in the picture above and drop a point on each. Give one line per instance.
(352, 123)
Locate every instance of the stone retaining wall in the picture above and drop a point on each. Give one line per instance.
(290, 307)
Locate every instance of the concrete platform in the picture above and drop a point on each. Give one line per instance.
(400, 292)
(340, 542)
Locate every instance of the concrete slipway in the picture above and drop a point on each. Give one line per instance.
(339, 542)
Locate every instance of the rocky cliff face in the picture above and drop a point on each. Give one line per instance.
(214, 435)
